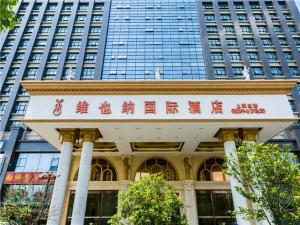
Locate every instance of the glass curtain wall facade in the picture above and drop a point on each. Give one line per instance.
(146, 37)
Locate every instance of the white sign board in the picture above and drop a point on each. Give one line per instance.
(108, 107)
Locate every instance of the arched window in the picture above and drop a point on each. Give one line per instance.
(101, 170)
(156, 165)
(212, 170)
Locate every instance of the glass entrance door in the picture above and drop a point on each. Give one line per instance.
(101, 206)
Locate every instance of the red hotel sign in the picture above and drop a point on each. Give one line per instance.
(24, 178)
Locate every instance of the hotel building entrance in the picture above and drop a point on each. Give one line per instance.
(114, 133)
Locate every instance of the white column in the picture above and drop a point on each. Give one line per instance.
(238, 199)
(190, 202)
(58, 195)
(83, 179)
(250, 136)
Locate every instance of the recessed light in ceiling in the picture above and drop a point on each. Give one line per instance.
(179, 128)
(138, 128)
(116, 128)
(158, 128)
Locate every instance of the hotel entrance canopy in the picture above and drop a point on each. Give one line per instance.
(133, 116)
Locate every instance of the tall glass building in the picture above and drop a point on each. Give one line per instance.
(142, 40)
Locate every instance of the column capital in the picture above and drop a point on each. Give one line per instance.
(68, 135)
(90, 135)
(227, 134)
(250, 134)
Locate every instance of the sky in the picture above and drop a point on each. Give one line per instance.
(298, 4)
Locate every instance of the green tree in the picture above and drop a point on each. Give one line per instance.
(149, 202)
(24, 205)
(269, 178)
(8, 18)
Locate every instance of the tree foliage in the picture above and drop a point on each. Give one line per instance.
(149, 202)
(8, 18)
(269, 178)
(23, 205)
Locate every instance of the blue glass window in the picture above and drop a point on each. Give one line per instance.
(152, 37)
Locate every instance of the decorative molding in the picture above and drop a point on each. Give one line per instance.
(68, 135)
(90, 135)
(158, 87)
(227, 134)
(250, 134)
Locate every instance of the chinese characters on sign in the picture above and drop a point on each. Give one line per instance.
(248, 109)
(171, 107)
(24, 178)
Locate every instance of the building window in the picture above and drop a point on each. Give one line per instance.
(13, 72)
(37, 6)
(235, 56)
(28, 30)
(210, 17)
(297, 41)
(33, 17)
(90, 57)
(61, 30)
(44, 30)
(249, 42)
(245, 29)
(19, 56)
(48, 18)
(212, 170)
(88, 73)
(22, 91)
(278, 29)
(24, 43)
(156, 165)
(50, 73)
(262, 29)
(219, 72)
(257, 71)
(207, 5)
(64, 18)
(7, 89)
(216, 56)
(254, 5)
(292, 28)
(237, 72)
(40, 43)
(214, 42)
(9, 43)
(253, 56)
(30, 73)
(213, 207)
(282, 4)
(96, 18)
(83, 6)
(67, 6)
(283, 42)
(92, 43)
(211, 29)
(95, 30)
(98, 6)
(2, 107)
(271, 56)
(78, 30)
(54, 163)
(223, 5)
(288, 56)
(229, 29)
(80, 18)
(58, 43)
(225, 17)
(258, 16)
(75, 43)
(36, 57)
(267, 42)
(242, 17)
(276, 72)
(51, 6)
(20, 107)
(54, 57)
(15, 30)
(11, 124)
(238, 5)
(72, 57)
(294, 71)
